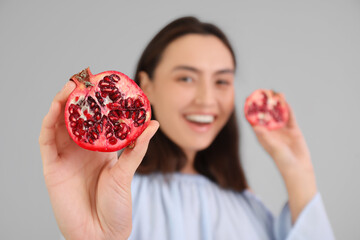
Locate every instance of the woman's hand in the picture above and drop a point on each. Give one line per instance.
(90, 191)
(289, 150)
(286, 145)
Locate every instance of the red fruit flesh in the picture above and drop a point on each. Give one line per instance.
(267, 108)
(106, 112)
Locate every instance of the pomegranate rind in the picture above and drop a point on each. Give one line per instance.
(270, 111)
(128, 88)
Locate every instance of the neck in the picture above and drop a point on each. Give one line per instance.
(189, 166)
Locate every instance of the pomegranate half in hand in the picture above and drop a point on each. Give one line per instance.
(106, 112)
(267, 108)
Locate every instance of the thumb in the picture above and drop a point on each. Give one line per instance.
(260, 131)
(263, 137)
(131, 158)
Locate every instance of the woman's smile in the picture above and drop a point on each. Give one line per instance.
(200, 122)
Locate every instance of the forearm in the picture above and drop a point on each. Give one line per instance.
(301, 187)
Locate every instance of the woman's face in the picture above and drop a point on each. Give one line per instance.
(192, 90)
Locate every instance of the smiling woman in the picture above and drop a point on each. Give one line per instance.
(190, 183)
(191, 180)
(191, 90)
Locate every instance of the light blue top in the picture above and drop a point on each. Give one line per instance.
(185, 207)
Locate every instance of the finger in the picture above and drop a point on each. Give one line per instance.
(261, 132)
(63, 95)
(267, 139)
(292, 120)
(47, 138)
(291, 123)
(47, 134)
(259, 129)
(130, 159)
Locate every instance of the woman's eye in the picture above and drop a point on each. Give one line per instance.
(186, 79)
(222, 82)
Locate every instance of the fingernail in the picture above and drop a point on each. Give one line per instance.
(66, 84)
(132, 145)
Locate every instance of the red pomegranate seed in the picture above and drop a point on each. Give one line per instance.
(114, 78)
(112, 140)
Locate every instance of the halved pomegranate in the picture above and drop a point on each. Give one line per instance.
(267, 108)
(106, 112)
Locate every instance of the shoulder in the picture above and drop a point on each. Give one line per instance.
(142, 182)
(256, 204)
(259, 210)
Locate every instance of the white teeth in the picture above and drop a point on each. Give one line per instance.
(200, 118)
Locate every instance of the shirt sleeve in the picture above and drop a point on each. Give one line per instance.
(312, 223)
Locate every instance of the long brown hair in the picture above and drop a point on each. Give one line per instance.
(220, 162)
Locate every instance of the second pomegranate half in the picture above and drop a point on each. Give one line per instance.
(106, 112)
(267, 108)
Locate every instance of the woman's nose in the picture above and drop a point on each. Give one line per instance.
(205, 94)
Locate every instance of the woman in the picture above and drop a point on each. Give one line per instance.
(190, 184)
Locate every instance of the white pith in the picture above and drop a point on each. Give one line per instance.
(200, 118)
(261, 116)
(271, 103)
(83, 108)
(107, 100)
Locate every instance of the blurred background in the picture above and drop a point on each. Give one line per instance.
(309, 50)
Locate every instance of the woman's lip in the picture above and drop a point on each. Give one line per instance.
(199, 127)
(200, 118)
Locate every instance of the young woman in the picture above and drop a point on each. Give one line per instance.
(190, 183)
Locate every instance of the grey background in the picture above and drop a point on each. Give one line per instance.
(307, 49)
